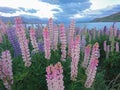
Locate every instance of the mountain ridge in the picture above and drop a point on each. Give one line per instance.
(111, 18)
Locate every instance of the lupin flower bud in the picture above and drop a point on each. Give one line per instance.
(63, 42)
(46, 37)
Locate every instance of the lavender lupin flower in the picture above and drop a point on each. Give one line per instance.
(41, 46)
(13, 40)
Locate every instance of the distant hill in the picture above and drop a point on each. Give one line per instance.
(25, 19)
(112, 18)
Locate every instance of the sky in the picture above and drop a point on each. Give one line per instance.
(59, 10)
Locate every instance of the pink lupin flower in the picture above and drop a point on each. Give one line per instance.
(117, 47)
(91, 75)
(59, 76)
(105, 45)
(63, 42)
(46, 37)
(71, 36)
(50, 28)
(92, 67)
(3, 28)
(20, 31)
(33, 40)
(6, 74)
(49, 77)
(55, 40)
(54, 77)
(86, 56)
(75, 51)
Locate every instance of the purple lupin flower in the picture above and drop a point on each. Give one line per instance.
(41, 46)
(13, 40)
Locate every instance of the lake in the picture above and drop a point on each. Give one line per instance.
(98, 25)
(91, 25)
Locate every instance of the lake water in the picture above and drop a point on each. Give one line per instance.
(91, 25)
(98, 25)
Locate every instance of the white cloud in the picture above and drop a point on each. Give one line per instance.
(101, 4)
(76, 16)
(44, 9)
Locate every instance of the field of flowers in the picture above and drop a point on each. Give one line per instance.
(59, 57)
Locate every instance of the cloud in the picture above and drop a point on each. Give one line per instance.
(92, 14)
(7, 10)
(28, 10)
(63, 1)
(71, 9)
(109, 10)
(56, 10)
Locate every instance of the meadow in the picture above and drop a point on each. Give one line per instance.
(59, 57)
